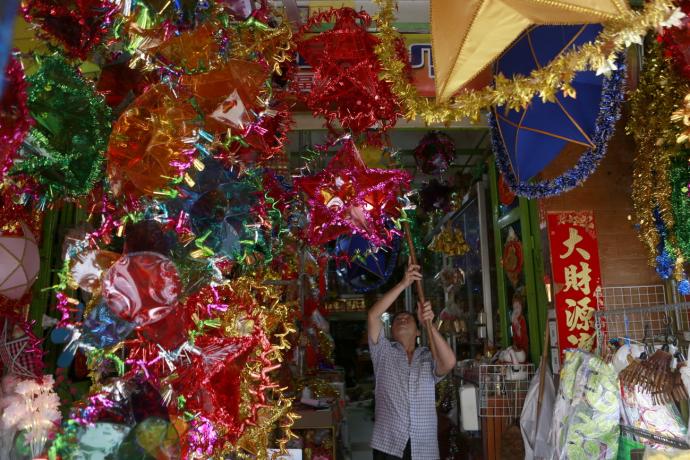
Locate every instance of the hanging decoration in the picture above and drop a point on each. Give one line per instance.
(674, 42)
(346, 87)
(19, 263)
(518, 92)
(14, 114)
(450, 241)
(434, 153)
(64, 151)
(366, 267)
(79, 25)
(512, 259)
(652, 103)
(349, 197)
(525, 141)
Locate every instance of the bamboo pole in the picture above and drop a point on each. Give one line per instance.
(418, 283)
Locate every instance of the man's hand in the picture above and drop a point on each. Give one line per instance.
(412, 274)
(424, 312)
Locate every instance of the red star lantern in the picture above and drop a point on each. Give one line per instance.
(346, 85)
(79, 25)
(348, 197)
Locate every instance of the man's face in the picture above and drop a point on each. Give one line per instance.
(404, 326)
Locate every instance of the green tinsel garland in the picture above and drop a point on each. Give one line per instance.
(680, 203)
(64, 151)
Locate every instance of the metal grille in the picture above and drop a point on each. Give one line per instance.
(638, 313)
(503, 389)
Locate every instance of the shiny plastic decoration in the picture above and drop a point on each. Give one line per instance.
(147, 139)
(346, 86)
(87, 268)
(676, 42)
(102, 328)
(226, 95)
(14, 114)
(79, 25)
(348, 197)
(435, 152)
(149, 235)
(63, 153)
(142, 287)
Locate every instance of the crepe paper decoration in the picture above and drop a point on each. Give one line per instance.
(348, 197)
(79, 25)
(142, 287)
(19, 263)
(469, 36)
(526, 141)
(515, 93)
(346, 83)
(366, 267)
(15, 120)
(20, 355)
(434, 153)
(63, 153)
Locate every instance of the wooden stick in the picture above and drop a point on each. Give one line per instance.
(418, 283)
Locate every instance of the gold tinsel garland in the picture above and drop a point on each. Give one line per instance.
(659, 93)
(514, 93)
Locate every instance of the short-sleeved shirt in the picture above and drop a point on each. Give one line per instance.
(405, 400)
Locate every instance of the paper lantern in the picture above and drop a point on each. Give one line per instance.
(369, 266)
(19, 263)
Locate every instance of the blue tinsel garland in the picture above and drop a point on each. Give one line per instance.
(609, 111)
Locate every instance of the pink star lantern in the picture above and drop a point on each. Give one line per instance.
(348, 197)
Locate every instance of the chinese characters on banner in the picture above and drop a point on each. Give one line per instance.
(576, 276)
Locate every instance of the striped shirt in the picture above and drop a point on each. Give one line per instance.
(405, 400)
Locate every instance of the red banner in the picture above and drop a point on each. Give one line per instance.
(576, 276)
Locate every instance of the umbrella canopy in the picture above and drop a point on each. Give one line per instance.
(469, 35)
(532, 138)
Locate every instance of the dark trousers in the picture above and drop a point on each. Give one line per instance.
(407, 454)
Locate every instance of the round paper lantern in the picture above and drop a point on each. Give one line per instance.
(19, 263)
(142, 287)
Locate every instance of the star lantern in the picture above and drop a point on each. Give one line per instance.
(469, 35)
(19, 263)
(348, 197)
(15, 120)
(79, 25)
(346, 85)
(20, 352)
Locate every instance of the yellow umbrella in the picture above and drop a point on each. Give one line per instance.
(468, 35)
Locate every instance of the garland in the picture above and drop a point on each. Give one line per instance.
(656, 97)
(517, 93)
(612, 95)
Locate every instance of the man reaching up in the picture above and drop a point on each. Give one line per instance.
(406, 376)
